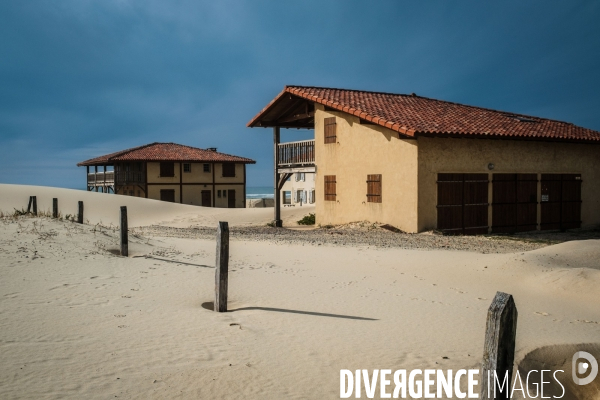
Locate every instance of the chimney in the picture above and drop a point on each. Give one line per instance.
(212, 149)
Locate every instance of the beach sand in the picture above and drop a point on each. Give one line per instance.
(78, 321)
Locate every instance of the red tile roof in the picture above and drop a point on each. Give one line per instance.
(412, 115)
(165, 152)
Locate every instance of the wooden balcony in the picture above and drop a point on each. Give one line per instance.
(101, 178)
(130, 178)
(296, 154)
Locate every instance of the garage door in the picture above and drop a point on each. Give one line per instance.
(514, 203)
(462, 203)
(561, 201)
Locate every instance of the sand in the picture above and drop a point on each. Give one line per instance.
(78, 321)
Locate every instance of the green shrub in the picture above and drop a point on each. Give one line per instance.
(307, 220)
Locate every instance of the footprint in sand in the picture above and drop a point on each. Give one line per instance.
(544, 314)
(120, 315)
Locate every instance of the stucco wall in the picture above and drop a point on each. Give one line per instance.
(154, 191)
(361, 150)
(197, 175)
(223, 201)
(154, 173)
(508, 156)
(239, 174)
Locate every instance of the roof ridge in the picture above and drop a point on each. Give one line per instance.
(431, 99)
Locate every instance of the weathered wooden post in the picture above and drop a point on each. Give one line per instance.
(499, 348)
(124, 233)
(55, 208)
(29, 204)
(34, 205)
(222, 267)
(80, 214)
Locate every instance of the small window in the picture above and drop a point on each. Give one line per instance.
(224, 193)
(374, 188)
(218, 193)
(167, 169)
(206, 167)
(330, 130)
(139, 194)
(330, 188)
(131, 192)
(187, 167)
(287, 197)
(311, 197)
(229, 170)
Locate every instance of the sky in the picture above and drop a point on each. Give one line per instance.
(82, 78)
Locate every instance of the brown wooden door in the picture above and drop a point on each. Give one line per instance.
(167, 195)
(206, 198)
(561, 201)
(514, 206)
(231, 198)
(463, 203)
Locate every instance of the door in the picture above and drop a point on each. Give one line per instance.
(514, 205)
(231, 198)
(167, 195)
(561, 201)
(206, 198)
(463, 203)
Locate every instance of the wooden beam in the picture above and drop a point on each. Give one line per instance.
(124, 232)
(499, 348)
(277, 206)
(222, 267)
(296, 117)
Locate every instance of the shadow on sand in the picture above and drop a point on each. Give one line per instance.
(209, 305)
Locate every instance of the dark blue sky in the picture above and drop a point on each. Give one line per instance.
(81, 78)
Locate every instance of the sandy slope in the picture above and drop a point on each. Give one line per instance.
(77, 321)
(104, 208)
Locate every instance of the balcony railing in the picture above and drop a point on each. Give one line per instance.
(297, 153)
(130, 178)
(101, 178)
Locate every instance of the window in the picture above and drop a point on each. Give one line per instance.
(374, 188)
(229, 170)
(139, 194)
(287, 197)
(167, 169)
(224, 193)
(330, 187)
(206, 168)
(330, 131)
(187, 167)
(300, 196)
(311, 196)
(299, 176)
(131, 192)
(218, 193)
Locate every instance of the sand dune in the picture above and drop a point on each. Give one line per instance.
(77, 321)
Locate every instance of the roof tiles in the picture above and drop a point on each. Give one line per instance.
(165, 152)
(412, 115)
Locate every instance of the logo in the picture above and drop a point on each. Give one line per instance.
(582, 367)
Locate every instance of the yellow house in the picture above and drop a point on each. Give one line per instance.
(172, 172)
(420, 164)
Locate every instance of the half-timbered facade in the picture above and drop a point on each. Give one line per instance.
(172, 172)
(421, 164)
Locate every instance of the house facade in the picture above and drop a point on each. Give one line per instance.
(172, 172)
(421, 164)
(298, 190)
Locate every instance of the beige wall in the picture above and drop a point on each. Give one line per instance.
(361, 150)
(508, 156)
(154, 174)
(197, 175)
(239, 174)
(239, 195)
(154, 191)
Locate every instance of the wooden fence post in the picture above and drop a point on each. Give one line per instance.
(80, 214)
(29, 204)
(499, 348)
(55, 208)
(124, 233)
(34, 205)
(222, 267)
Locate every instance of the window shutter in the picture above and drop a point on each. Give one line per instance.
(374, 188)
(330, 130)
(229, 170)
(167, 169)
(330, 187)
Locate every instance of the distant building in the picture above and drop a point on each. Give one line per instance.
(172, 172)
(420, 164)
(298, 189)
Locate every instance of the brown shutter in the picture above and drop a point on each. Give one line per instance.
(167, 169)
(330, 187)
(374, 188)
(330, 130)
(229, 170)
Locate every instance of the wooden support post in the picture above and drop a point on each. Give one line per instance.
(80, 214)
(55, 208)
(276, 138)
(124, 233)
(222, 267)
(34, 205)
(29, 204)
(499, 348)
